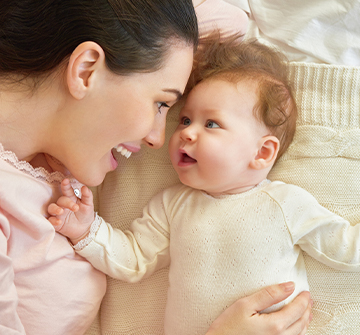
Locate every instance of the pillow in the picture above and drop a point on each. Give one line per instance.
(307, 30)
(324, 159)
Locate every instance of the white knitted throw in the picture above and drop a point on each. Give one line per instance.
(324, 158)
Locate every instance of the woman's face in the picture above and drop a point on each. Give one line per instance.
(125, 111)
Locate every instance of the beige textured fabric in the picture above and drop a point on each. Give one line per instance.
(324, 159)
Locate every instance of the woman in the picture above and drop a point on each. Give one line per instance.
(78, 78)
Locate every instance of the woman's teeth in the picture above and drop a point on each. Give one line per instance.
(125, 152)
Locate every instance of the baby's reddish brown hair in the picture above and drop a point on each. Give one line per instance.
(249, 60)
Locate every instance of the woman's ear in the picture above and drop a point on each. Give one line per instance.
(84, 62)
(267, 153)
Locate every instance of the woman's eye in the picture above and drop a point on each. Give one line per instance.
(185, 121)
(161, 105)
(212, 124)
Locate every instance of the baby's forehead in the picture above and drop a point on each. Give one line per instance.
(238, 85)
(221, 94)
(234, 79)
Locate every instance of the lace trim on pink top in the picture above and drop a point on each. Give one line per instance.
(39, 173)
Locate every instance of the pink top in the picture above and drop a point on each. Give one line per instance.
(46, 288)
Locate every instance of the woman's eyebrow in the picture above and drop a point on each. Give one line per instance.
(174, 91)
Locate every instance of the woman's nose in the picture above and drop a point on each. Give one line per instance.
(156, 138)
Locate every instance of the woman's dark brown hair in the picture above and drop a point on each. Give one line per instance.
(36, 36)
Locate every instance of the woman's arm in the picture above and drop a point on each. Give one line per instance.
(243, 318)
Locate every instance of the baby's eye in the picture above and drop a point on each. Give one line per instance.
(212, 124)
(161, 105)
(185, 121)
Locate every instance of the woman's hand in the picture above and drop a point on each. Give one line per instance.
(71, 216)
(243, 318)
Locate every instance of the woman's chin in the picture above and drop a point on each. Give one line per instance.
(92, 173)
(91, 179)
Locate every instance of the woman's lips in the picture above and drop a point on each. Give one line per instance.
(123, 151)
(114, 162)
(126, 151)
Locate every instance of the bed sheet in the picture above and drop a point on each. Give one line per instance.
(318, 31)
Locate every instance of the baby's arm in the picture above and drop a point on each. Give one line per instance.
(130, 255)
(71, 216)
(325, 236)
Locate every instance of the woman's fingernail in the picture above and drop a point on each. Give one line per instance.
(287, 287)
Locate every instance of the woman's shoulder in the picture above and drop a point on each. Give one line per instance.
(15, 167)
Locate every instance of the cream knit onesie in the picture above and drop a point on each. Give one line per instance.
(225, 247)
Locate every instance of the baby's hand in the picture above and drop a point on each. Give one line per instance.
(71, 216)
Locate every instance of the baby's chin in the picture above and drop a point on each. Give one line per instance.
(215, 191)
(192, 185)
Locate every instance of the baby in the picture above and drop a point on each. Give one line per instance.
(226, 231)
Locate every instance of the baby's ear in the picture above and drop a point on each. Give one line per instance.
(267, 153)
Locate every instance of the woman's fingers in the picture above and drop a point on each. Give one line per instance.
(270, 295)
(299, 309)
(293, 318)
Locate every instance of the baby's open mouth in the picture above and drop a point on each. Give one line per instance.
(187, 159)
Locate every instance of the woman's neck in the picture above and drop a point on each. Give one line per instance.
(25, 119)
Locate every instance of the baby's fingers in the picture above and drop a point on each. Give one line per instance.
(66, 188)
(57, 223)
(54, 209)
(66, 202)
(86, 196)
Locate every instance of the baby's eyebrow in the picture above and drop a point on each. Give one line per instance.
(174, 91)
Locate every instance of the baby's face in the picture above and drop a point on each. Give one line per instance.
(217, 137)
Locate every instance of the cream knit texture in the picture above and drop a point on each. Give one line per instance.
(324, 158)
